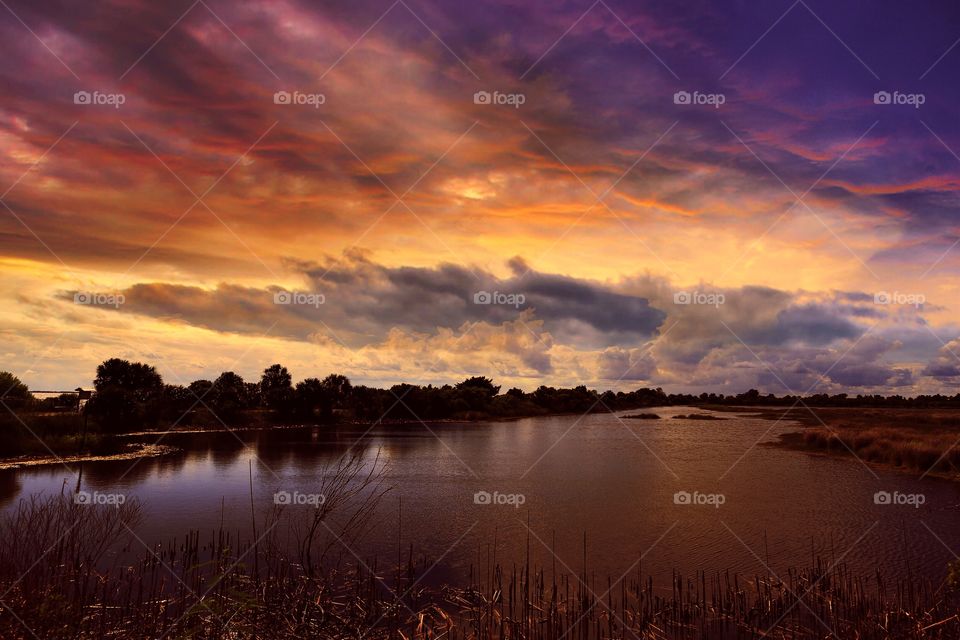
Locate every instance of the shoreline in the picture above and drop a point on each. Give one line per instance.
(141, 450)
(882, 438)
(810, 437)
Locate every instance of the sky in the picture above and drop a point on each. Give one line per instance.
(699, 196)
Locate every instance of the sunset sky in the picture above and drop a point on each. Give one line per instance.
(790, 227)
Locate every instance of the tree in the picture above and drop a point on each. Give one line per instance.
(276, 388)
(330, 394)
(129, 395)
(13, 393)
(479, 382)
(200, 389)
(370, 404)
(308, 396)
(251, 392)
(135, 377)
(178, 401)
(227, 395)
(336, 393)
(474, 394)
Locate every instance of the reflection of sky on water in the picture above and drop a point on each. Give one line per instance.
(597, 478)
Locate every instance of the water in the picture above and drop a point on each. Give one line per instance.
(595, 483)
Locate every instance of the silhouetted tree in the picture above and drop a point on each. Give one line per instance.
(227, 395)
(336, 394)
(252, 394)
(482, 383)
(178, 401)
(129, 395)
(130, 376)
(308, 395)
(276, 389)
(200, 391)
(13, 393)
(370, 404)
(474, 394)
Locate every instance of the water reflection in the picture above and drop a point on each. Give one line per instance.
(596, 479)
(9, 487)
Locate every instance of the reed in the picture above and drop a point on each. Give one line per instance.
(920, 440)
(57, 581)
(935, 452)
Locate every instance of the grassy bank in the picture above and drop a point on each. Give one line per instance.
(26, 433)
(916, 440)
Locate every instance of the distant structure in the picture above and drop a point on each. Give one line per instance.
(82, 397)
(79, 396)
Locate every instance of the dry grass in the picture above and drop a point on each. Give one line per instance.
(54, 584)
(906, 448)
(917, 440)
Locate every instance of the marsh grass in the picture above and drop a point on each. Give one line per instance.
(902, 448)
(57, 581)
(921, 440)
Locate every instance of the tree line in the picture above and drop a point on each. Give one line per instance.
(133, 395)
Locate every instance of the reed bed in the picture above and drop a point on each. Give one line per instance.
(921, 440)
(906, 448)
(57, 581)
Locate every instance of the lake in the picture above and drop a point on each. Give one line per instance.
(680, 494)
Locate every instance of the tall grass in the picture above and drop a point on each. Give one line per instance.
(57, 581)
(934, 451)
(921, 440)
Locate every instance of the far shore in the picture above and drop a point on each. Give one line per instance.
(132, 452)
(921, 441)
(917, 441)
(127, 450)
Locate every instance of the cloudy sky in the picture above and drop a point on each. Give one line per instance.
(696, 195)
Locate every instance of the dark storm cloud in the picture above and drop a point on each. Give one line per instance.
(632, 332)
(362, 301)
(811, 324)
(944, 371)
(945, 366)
(851, 365)
(628, 365)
